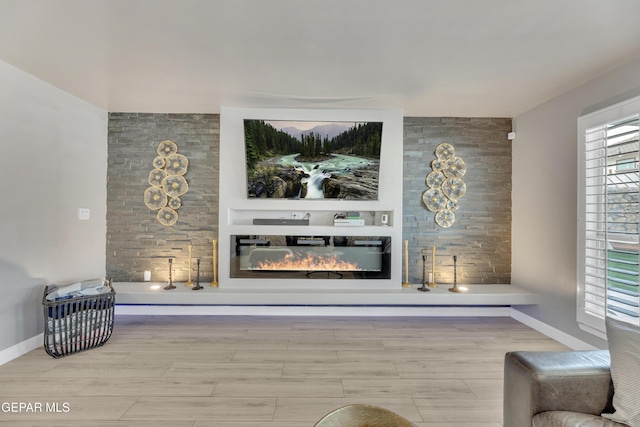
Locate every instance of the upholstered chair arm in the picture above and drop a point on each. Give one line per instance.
(578, 381)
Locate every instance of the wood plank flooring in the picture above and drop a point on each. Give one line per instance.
(235, 371)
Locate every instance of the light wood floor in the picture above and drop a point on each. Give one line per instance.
(272, 371)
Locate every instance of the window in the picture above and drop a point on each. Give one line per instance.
(609, 206)
(624, 164)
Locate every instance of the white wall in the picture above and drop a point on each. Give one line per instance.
(54, 161)
(545, 196)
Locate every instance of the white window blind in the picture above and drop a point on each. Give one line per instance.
(609, 206)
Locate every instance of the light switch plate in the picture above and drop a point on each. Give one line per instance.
(84, 214)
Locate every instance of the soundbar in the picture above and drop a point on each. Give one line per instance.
(279, 221)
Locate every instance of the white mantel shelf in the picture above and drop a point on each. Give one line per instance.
(141, 293)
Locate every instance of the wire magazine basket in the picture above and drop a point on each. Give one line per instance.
(78, 323)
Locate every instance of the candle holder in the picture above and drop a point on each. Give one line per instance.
(455, 287)
(432, 282)
(406, 283)
(189, 282)
(424, 288)
(214, 284)
(197, 286)
(170, 285)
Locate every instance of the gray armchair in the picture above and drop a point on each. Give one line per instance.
(556, 389)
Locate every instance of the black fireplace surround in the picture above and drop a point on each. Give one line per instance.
(310, 257)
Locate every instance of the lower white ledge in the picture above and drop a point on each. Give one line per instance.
(313, 311)
(146, 293)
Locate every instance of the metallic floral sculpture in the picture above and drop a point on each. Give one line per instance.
(167, 183)
(445, 184)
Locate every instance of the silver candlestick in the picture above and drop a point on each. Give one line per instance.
(455, 287)
(170, 285)
(424, 288)
(197, 287)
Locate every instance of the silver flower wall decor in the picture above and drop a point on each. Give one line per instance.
(445, 184)
(167, 183)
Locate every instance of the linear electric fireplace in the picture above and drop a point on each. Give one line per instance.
(310, 257)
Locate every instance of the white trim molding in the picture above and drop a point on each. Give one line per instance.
(21, 348)
(342, 311)
(554, 333)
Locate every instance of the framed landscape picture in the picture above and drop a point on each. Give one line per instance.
(312, 160)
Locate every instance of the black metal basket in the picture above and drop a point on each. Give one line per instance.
(77, 324)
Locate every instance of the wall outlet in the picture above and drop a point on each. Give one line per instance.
(297, 215)
(84, 214)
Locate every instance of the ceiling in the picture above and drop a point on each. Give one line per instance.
(493, 58)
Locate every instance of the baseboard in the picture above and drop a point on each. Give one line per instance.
(556, 334)
(364, 311)
(21, 348)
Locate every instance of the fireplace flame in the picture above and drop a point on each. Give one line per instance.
(312, 262)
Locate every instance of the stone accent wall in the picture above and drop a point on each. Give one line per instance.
(481, 235)
(135, 240)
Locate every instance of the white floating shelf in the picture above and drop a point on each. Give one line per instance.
(146, 293)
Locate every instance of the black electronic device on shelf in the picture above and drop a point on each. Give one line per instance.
(280, 221)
